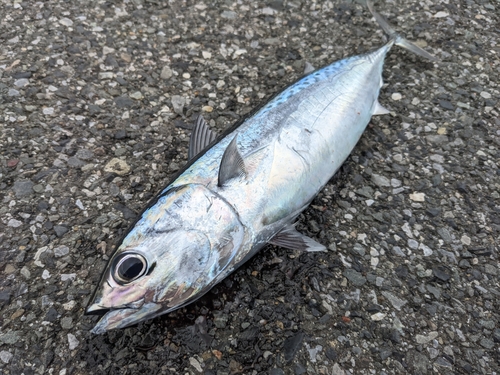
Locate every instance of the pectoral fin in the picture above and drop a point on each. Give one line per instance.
(289, 238)
(201, 137)
(231, 165)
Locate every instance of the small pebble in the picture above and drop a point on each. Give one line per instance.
(166, 72)
(118, 166)
(5, 356)
(196, 364)
(378, 316)
(66, 22)
(61, 251)
(465, 240)
(417, 197)
(424, 339)
(72, 341)
(14, 223)
(137, 95)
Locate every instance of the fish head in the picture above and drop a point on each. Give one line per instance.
(175, 253)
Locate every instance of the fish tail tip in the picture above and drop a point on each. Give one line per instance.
(397, 38)
(412, 47)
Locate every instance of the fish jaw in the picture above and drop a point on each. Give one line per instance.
(121, 318)
(133, 313)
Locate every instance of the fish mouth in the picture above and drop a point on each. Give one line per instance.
(95, 309)
(122, 317)
(99, 312)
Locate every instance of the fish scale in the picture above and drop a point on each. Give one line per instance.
(242, 192)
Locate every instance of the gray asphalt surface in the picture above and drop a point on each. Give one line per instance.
(96, 102)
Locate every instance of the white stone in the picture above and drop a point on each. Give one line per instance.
(465, 240)
(68, 276)
(166, 72)
(417, 197)
(21, 82)
(239, 52)
(79, 204)
(14, 223)
(73, 342)
(5, 356)
(421, 339)
(395, 182)
(106, 50)
(269, 11)
(137, 95)
(396, 96)
(380, 181)
(69, 305)
(118, 166)
(61, 251)
(426, 249)
(196, 364)
(25, 272)
(441, 14)
(66, 22)
(45, 274)
(412, 244)
(377, 317)
(396, 302)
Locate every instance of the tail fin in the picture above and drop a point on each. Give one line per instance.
(398, 39)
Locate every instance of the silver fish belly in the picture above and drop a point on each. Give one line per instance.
(240, 193)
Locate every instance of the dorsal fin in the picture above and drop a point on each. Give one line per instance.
(231, 165)
(201, 137)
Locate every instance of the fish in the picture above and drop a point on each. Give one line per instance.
(242, 190)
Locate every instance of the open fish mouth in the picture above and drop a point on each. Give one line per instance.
(124, 317)
(121, 317)
(113, 319)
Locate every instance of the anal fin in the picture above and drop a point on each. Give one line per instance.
(289, 238)
(379, 109)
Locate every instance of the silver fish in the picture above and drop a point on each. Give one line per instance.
(242, 192)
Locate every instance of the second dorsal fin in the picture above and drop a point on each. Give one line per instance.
(308, 68)
(201, 137)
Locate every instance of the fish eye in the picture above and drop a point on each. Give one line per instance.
(129, 267)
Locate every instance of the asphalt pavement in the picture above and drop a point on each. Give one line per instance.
(97, 99)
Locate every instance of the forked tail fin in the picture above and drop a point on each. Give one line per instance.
(398, 39)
